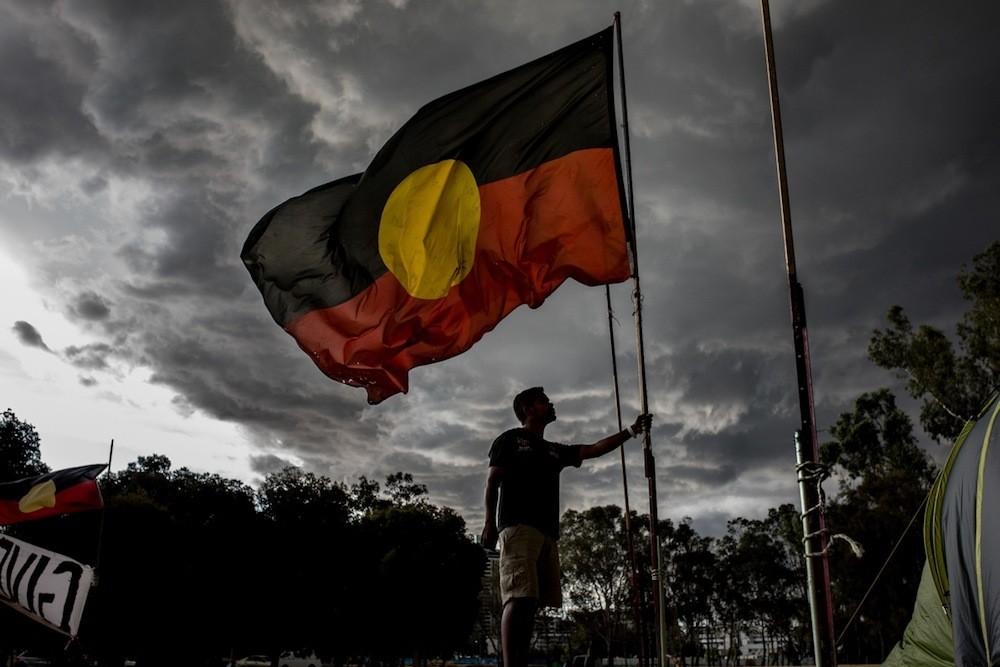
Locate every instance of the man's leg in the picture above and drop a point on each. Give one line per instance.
(520, 547)
(516, 625)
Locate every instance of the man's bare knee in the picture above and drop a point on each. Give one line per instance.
(521, 614)
(523, 605)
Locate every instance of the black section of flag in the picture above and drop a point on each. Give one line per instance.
(289, 254)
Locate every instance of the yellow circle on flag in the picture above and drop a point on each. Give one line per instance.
(38, 497)
(429, 227)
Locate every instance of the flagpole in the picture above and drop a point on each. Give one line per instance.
(100, 528)
(633, 573)
(647, 445)
(814, 521)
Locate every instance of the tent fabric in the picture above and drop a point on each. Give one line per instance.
(933, 537)
(927, 639)
(962, 543)
(971, 543)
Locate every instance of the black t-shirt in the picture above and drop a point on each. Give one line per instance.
(529, 488)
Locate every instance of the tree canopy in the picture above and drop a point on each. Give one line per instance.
(195, 566)
(885, 478)
(20, 453)
(953, 384)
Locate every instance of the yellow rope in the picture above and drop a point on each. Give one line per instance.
(979, 534)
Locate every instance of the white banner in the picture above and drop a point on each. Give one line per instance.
(46, 586)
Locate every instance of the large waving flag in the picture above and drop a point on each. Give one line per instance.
(59, 492)
(488, 198)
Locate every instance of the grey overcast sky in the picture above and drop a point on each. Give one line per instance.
(140, 141)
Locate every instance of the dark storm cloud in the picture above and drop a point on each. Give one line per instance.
(93, 356)
(174, 97)
(197, 255)
(94, 184)
(263, 383)
(904, 196)
(28, 335)
(172, 107)
(455, 442)
(712, 523)
(39, 120)
(91, 306)
(87, 381)
(266, 464)
(192, 119)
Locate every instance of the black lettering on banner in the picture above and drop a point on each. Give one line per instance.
(14, 553)
(6, 545)
(16, 591)
(75, 571)
(44, 599)
(33, 581)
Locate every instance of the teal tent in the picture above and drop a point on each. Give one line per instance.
(956, 618)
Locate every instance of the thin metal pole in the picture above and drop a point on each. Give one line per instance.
(100, 529)
(814, 522)
(807, 527)
(633, 571)
(647, 445)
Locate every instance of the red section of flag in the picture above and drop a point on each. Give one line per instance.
(559, 220)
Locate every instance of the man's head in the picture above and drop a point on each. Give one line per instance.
(533, 404)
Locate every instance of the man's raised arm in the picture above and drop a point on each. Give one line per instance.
(612, 442)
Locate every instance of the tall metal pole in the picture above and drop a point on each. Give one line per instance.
(817, 563)
(647, 445)
(633, 567)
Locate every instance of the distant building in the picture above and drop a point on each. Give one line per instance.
(486, 632)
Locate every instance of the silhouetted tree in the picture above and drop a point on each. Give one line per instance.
(953, 385)
(886, 478)
(595, 565)
(173, 583)
(196, 565)
(690, 568)
(402, 490)
(20, 453)
(764, 592)
(420, 574)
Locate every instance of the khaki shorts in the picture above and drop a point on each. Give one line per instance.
(529, 566)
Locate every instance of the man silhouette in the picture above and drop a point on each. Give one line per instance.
(524, 477)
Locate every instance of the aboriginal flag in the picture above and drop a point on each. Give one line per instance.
(59, 492)
(488, 198)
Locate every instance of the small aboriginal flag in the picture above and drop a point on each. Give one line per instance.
(59, 492)
(488, 198)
